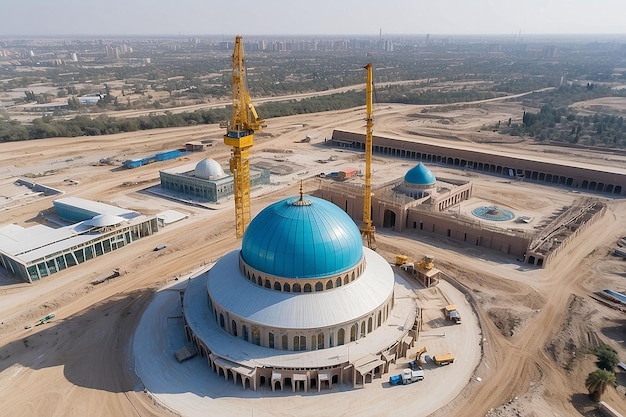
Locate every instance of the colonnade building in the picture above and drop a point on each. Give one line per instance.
(577, 175)
(421, 202)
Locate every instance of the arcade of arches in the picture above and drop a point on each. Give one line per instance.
(583, 178)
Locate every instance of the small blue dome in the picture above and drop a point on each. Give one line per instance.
(303, 237)
(420, 175)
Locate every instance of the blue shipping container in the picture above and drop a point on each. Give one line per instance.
(164, 156)
(133, 163)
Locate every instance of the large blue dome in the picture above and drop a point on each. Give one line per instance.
(303, 237)
(420, 175)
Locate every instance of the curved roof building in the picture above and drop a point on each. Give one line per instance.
(302, 283)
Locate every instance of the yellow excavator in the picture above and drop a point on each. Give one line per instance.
(417, 363)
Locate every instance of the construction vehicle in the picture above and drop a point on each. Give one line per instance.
(368, 230)
(395, 379)
(401, 260)
(426, 262)
(409, 376)
(443, 359)
(240, 135)
(452, 313)
(47, 318)
(417, 363)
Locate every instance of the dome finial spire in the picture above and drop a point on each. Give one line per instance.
(301, 201)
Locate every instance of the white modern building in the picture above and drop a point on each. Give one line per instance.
(96, 229)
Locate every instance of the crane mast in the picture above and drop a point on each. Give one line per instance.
(368, 230)
(240, 135)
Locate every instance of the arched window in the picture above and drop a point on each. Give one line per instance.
(353, 329)
(234, 327)
(296, 343)
(244, 331)
(270, 339)
(222, 320)
(352, 276)
(338, 283)
(329, 285)
(256, 336)
(297, 288)
(362, 329)
(307, 287)
(369, 325)
(345, 280)
(320, 341)
(341, 335)
(379, 318)
(277, 286)
(302, 343)
(268, 284)
(253, 278)
(284, 342)
(313, 342)
(319, 286)
(260, 281)
(286, 287)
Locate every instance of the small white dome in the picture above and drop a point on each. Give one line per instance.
(209, 169)
(103, 220)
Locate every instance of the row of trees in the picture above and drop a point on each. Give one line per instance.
(599, 380)
(47, 126)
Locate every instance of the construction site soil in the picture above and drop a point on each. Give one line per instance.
(538, 326)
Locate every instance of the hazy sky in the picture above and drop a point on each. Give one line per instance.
(317, 17)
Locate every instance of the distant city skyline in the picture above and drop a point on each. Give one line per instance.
(322, 17)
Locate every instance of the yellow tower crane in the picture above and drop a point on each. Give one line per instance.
(368, 230)
(240, 135)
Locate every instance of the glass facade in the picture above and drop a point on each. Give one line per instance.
(102, 243)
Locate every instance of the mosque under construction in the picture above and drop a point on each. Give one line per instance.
(301, 304)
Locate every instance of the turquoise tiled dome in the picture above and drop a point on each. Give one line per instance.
(420, 175)
(302, 238)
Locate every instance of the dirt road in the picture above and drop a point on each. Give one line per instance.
(79, 363)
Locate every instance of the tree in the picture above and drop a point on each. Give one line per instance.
(607, 357)
(30, 96)
(73, 103)
(598, 381)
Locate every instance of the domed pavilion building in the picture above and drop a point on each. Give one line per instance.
(418, 200)
(206, 181)
(301, 305)
(419, 182)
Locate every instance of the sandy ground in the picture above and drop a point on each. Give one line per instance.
(537, 325)
(191, 388)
